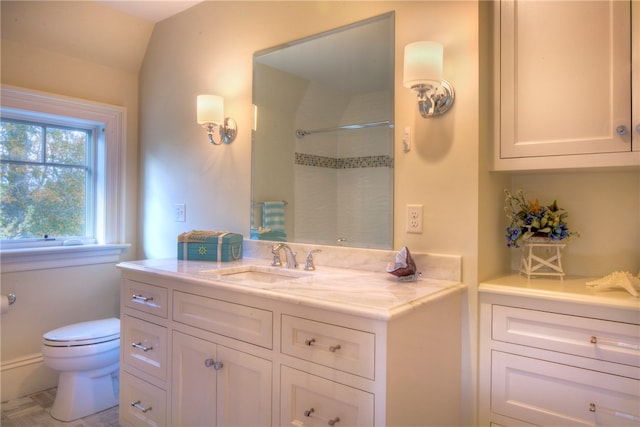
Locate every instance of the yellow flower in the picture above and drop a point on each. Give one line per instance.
(534, 207)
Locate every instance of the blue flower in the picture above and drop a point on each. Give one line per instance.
(529, 219)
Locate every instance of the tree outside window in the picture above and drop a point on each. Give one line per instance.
(46, 179)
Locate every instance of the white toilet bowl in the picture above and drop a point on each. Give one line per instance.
(87, 355)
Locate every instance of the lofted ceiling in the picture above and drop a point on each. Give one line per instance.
(112, 33)
(150, 10)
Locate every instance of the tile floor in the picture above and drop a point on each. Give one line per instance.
(33, 410)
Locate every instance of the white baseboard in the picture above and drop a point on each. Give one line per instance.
(24, 376)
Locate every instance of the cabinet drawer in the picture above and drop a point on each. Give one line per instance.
(145, 346)
(594, 338)
(141, 404)
(547, 393)
(308, 400)
(240, 322)
(334, 346)
(144, 297)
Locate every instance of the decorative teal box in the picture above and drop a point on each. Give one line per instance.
(209, 246)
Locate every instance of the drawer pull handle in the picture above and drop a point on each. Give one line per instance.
(141, 298)
(332, 348)
(139, 346)
(630, 346)
(138, 406)
(216, 365)
(331, 421)
(615, 413)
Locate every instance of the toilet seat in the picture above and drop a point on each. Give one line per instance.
(84, 333)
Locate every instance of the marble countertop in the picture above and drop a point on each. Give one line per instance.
(374, 294)
(570, 289)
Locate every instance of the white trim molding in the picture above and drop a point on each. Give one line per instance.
(111, 210)
(28, 259)
(25, 375)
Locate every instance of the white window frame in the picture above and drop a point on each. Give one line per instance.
(110, 208)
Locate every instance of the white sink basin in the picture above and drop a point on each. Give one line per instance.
(257, 273)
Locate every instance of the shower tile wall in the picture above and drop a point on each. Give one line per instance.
(344, 180)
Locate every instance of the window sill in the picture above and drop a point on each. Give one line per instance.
(14, 260)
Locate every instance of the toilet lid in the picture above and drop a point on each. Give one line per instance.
(84, 333)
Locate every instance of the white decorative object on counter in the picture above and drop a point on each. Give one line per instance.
(542, 258)
(617, 279)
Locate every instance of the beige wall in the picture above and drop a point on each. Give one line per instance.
(37, 60)
(49, 299)
(209, 48)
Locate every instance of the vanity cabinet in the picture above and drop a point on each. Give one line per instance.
(555, 353)
(144, 354)
(213, 382)
(226, 354)
(564, 84)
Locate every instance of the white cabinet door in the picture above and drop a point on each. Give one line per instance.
(635, 72)
(215, 385)
(194, 381)
(565, 78)
(244, 389)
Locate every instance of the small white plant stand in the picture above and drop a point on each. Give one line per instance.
(542, 258)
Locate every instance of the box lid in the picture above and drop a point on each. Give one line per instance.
(199, 236)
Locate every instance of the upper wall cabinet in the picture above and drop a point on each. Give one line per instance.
(564, 77)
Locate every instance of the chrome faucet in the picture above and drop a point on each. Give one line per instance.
(291, 256)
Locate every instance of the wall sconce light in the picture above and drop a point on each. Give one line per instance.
(211, 116)
(423, 73)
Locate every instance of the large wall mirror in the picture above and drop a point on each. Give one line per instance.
(323, 139)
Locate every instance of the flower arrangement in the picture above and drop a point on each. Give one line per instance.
(529, 219)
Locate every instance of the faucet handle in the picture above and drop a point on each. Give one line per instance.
(308, 263)
(276, 262)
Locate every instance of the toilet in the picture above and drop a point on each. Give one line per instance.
(87, 355)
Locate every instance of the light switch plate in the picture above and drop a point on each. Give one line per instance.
(180, 212)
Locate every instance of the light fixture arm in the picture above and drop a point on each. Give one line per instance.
(226, 133)
(434, 100)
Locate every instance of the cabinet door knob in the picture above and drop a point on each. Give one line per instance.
(638, 128)
(333, 421)
(212, 363)
(621, 130)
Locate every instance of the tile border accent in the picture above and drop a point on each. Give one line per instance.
(344, 163)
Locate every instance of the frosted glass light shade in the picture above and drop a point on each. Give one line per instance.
(210, 109)
(422, 63)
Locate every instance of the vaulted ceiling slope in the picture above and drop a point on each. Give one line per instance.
(88, 30)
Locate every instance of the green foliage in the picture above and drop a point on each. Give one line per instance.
(43, 175)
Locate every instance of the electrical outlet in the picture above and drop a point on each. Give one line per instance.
(414, 219)
(180, 212)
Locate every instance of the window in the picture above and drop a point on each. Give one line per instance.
(62, 175)
(48, 179)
